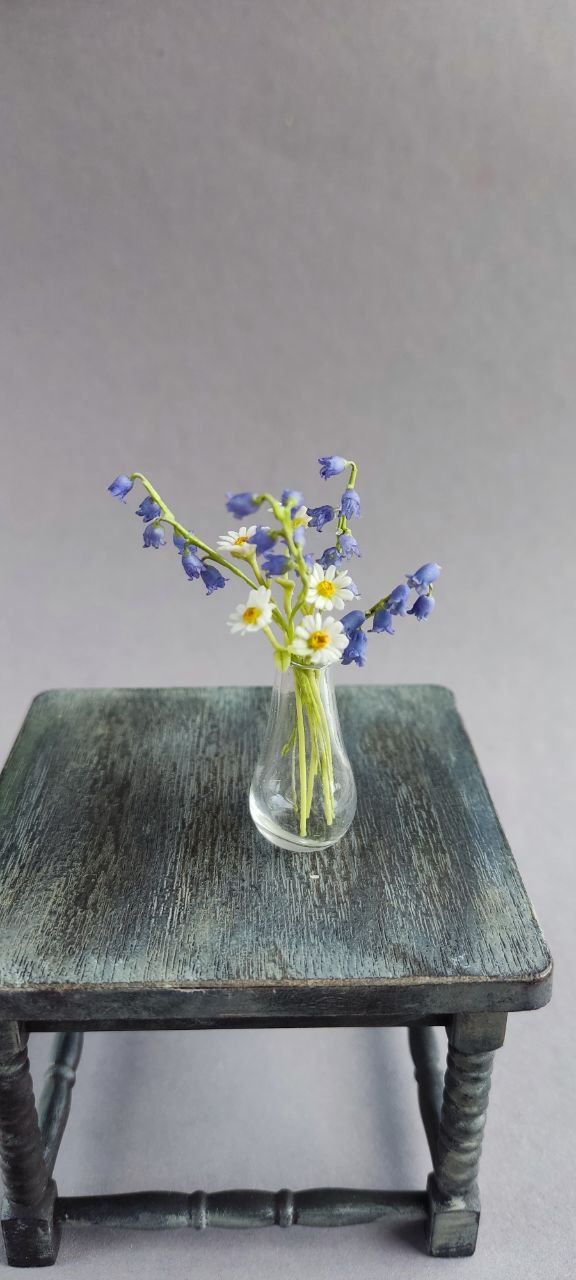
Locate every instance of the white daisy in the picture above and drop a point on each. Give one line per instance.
(328, 588)
(237, 543)
(255, 614)
(321, 640)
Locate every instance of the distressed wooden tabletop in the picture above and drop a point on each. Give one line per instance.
(133, 884)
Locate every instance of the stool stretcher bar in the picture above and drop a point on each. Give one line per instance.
(316, 1207)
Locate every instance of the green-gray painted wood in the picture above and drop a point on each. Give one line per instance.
(24, 1173)
(429, 1079)
(462, 1121)
(56, 1096)
(453, 1195)
(316, 1207)
(133, 884)
(30, 1229)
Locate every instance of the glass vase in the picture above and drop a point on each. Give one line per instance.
(303, 794)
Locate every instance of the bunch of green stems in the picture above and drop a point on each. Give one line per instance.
(311, 739)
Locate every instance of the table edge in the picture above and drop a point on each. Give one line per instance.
(287, 998)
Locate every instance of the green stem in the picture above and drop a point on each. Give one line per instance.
(170, 519)
(286, 524)
(300, 603)
(328, 775)
(312, 769)
(277, 507)
(281, 622)
(255, 567)
(301, 760)
(297, 557)
(272, 638)
(380, 604)
(288, 590)
(306, 684)
(342, 525)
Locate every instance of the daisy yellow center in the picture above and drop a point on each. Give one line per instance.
(318, 640)
(240, 540)
(251, 614)
(326, 589)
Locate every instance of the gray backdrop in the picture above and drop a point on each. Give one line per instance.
(236, 234)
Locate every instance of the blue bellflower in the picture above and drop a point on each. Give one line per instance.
(179, 542)
(422, 607)
(263, 540)
(397, 601)
(148, 509)
(348, 546)
(120, 487)
(240, 504)
(319, 516)
(275, 565)
(352, 620)
(212, 578)
(309, 560)
(424, 576)
(191, 565)
(332, 465)
(330, 556)
(154, 536)
(383, 621)
(292, 496)
(355, 650)
(350, 504)
(299, 535)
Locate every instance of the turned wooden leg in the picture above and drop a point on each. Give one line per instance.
(452, 1188)
(55, 1099)
(31, 1232)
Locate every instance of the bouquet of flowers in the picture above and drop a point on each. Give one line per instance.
(294, 598)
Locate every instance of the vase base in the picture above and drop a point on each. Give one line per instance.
(283, 839)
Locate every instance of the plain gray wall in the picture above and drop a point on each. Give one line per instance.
(236, 234)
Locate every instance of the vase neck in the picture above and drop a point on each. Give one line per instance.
(323, 677)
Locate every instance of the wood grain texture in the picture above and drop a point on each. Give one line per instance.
(134, 885)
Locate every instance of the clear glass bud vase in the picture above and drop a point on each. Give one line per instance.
(303, 794)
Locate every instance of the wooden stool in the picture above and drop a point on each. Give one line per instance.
(136, 893)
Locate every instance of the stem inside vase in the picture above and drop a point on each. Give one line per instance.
(312, 740)
(303, 791)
